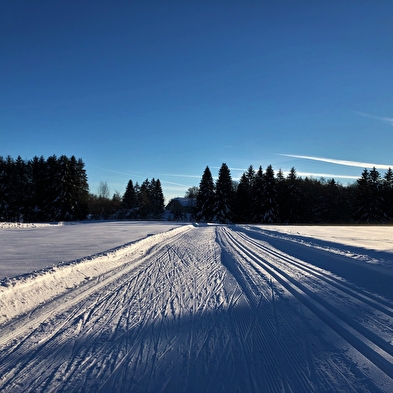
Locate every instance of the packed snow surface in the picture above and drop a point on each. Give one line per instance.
(26, 247)
(196, 308)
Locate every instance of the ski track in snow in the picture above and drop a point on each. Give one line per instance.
(197, 309)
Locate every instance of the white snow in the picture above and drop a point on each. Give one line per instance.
(131, 306)
(28, 247)
(370, 237)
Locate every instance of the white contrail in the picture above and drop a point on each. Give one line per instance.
(173, 183)
(181, 175)
(325, 175)
(341, 162)
(388, 120)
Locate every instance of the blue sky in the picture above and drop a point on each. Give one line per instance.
(142, 89)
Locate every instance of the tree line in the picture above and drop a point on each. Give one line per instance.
(52, 189)
(265, 197)
(56, 189)
(139, 202)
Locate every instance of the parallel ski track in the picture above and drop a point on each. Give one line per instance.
(125, 327)
(284, 362)
(367, 298)
(78, 309)
(372, 346)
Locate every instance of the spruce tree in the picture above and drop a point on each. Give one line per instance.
(281, 185)
(269, 198)
(291, 206)
(243, 199)
(8, 190)
(224, 196)
(21, 189)
(3, 203)
(387, 190)
(369, 199)
(129, 197)
(257, 196)
(82, 190)
(145, 201)
(205, 197)
(158, 199)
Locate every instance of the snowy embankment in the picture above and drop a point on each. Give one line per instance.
(21, 294)
(30, 247)
(207, 308)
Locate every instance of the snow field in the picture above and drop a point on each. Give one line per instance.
(31, 247)
(200, 309)
(22, 294)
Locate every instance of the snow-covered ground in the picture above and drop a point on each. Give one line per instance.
(28, 247)
(196, 308)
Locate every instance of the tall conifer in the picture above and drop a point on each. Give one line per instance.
(205, 197)
(224, 196)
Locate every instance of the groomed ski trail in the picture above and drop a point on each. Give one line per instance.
(202, 309)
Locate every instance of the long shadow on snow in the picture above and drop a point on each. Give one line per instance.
(222, 351)
(243, 348)
(377, 280)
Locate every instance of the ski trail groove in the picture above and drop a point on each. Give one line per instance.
(200, 309)
(373, 347)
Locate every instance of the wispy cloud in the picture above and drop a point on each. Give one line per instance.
(160, 175)
(181, 175)
(388, 120)
(341, 162)
(119, 172)
(231, 168)
(173, 183)
(325, 175)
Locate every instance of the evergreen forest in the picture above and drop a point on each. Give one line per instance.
(265, 197)
(56, 189)
(37, 190)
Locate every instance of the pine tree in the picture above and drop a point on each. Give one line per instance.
(22, 195)
(281, 186)
(257, 196)
(7, 187)
(369, 200)
(145, 202)
(129, 198)
(378, 214)
(65, 185)
(224, 196)
(205, 198)
(3, 171)
(81, 194)
(293, 195)
(387, 190)
(243, 199)
(158, 199)
(270, 204)
(38, 191)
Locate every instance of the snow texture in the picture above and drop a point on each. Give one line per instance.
(197, 308)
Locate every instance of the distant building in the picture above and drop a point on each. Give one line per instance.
(181, 208)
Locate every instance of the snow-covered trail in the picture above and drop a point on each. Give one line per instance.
(208, 308)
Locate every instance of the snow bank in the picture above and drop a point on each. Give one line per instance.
(367, 245)
(22, 294)
(373, 237)
(27, 247)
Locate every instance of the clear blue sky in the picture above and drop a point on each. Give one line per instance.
(142, 89)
